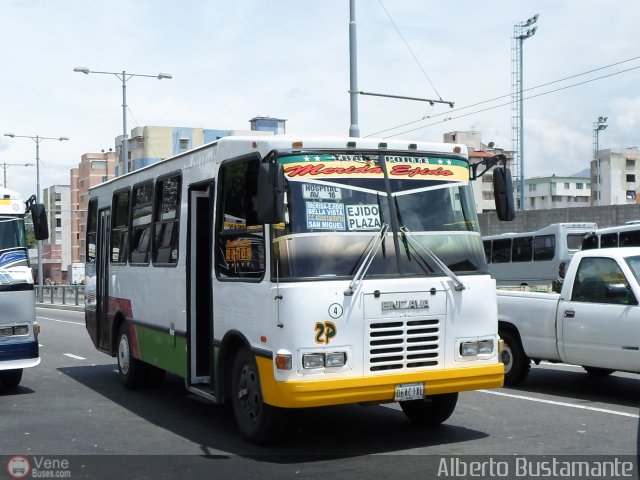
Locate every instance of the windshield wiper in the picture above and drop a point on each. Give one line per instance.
(415, 243)
(368, 259)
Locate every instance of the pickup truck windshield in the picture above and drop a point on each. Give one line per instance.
(336, 203)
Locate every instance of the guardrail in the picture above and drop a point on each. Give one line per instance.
(60, 294)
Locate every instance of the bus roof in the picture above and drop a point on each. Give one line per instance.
(580, 227)
(11, 202)
(228, 147)
(616, 229)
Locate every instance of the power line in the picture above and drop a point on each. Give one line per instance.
(410, 50)
(505, 96)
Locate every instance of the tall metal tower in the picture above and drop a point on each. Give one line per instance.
(521, 31)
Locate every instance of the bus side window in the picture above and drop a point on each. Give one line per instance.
(167, 221)
(141, 207)
(609, 240)
(487, 249)
(119, 226)
(501, 251)
(544, 247)
(240, 249)
(522, 249)
(92, 227)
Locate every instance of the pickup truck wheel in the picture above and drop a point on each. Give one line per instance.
(598, 372)
(516, 363)
(9, 379)
(258, 422)
(432, 410)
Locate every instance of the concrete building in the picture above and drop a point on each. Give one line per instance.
(56, 253)
(478, 151)
(94, 168)
(619, 179)
(152, 144)
(557, 192)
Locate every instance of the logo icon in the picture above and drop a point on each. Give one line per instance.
(18, 467)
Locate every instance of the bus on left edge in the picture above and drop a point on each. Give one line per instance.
(18, 327)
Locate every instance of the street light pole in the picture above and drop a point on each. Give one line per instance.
(6, 165)
(521, 32)
(124, 76)
(38, 139)
(598, 125)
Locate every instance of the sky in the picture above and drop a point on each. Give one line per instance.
(232, 61)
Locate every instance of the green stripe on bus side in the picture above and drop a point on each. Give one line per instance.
(168, 352)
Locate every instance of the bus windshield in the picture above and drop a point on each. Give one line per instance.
(12, 234)
(337, 206)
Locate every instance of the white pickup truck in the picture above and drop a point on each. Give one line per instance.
(593, 322)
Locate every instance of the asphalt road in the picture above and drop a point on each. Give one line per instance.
(74, 407)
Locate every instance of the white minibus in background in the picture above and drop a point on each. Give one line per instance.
(627, 235)
(533, 258)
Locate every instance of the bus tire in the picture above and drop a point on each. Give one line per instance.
(132, 371)
(257, 421)
(516, 363)
(598, 372)
(10, 379)
(432, 410)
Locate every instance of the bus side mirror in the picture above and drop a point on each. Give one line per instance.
(40, 224)
(270, 201)
(503, 194)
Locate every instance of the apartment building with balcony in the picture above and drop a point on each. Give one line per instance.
(618, 180)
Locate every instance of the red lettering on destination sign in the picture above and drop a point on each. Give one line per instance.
(409, 171)
(396, 171)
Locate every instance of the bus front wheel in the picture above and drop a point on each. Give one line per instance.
(258, 422)
(432, 410)
(10, 379)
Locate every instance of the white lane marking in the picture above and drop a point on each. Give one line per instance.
(71, 355)
(562, 404)
(57, 320)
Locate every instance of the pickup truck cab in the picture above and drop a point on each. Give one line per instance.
(593, 322)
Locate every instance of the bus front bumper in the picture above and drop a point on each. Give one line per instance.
(372, 389)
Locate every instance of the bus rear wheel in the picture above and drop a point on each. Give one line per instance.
(258, 422)
(10, 379)
(131, 369)
(432, 410)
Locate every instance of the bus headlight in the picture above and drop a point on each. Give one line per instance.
(328, 360)
(485, 347)
(313, 360)
(6, 331)
(472, 349)
(469, 349)
(337, 359)
(21, 330)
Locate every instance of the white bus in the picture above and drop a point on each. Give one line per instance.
(627, 235)
(18, 327)
(278, 272)
(533, 258)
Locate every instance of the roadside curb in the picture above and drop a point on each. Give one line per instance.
(58, 306)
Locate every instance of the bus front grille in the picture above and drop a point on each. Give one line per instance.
(397, 344)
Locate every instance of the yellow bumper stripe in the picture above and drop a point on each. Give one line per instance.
(381, 388)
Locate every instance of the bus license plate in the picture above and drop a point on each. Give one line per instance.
(409, 391)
